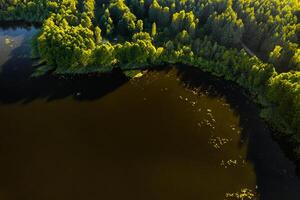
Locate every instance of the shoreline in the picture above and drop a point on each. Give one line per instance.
(254, 97)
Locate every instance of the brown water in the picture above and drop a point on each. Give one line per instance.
(172, 134)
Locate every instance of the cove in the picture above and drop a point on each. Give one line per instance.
(173, 134)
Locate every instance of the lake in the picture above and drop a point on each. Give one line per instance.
(173, 134)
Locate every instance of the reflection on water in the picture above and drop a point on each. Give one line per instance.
(165, 135)
(11, 39)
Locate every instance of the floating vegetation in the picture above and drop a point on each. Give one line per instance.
(207, 123)
(199, 124)
(193, 103)
(211, 116)
(244, 194)
(225, 104)
(194, 92)
(233, 162)
(229, 162)
(235, 129)
(218, 142)
(164, 89)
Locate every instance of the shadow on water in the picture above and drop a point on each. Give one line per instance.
(21, 25)
(276, 176)
(17, 86)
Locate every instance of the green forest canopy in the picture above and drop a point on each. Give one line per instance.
(254, 43)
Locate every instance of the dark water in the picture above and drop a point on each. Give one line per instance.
(172, 134)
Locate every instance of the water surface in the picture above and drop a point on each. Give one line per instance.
(172, 134)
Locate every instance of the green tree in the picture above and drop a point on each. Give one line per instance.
(153, 30)
(98, 37)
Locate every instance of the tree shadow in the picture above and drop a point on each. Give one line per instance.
(275, 173)
(20, 24)
(17, 85)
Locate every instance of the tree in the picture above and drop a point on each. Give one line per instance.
(275, 54)
(126, 25)
(226, 28)
(106, 22)
(295, 61)
(86, 21)
(103, 55)
(184, 21)
(141, 36)
(140, 25)
(153, 30)
(98, 37)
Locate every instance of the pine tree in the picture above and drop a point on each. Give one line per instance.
(153, 30)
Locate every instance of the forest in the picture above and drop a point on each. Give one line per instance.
(254, 43)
